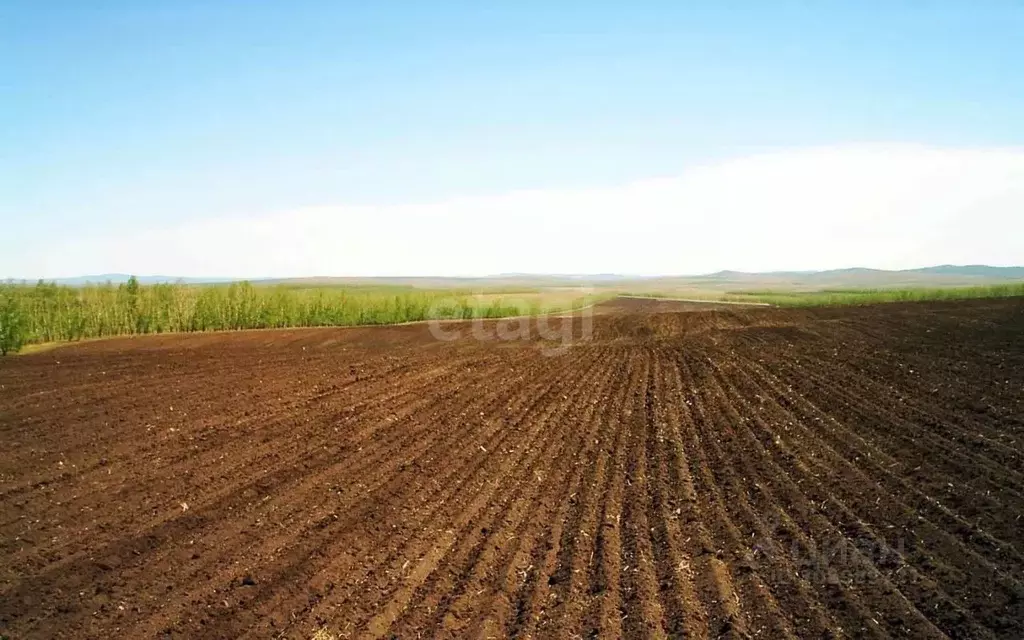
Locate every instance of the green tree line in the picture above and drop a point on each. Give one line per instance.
(47, 312)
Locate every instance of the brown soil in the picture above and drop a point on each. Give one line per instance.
(631, 304)
(739, 473)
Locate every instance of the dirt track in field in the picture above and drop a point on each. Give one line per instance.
(849, 472)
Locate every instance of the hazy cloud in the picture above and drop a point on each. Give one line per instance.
(885, 206)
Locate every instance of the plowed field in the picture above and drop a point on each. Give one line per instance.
(732, 472)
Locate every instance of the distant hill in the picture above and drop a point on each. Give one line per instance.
(118, 278)
(977, 270)
(946, 270)
(852, 278)
(946, 275)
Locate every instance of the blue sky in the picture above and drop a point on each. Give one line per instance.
(130, 119)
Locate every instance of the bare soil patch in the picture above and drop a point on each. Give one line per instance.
(730, 472)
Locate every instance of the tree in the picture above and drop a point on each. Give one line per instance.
(132, 286)
(135, 318)
(12, 321)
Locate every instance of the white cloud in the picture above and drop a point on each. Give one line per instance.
(884, 206)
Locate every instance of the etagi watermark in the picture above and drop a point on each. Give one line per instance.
(553, 326)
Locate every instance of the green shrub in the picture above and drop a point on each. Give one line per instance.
(12, 321)
(51, 313)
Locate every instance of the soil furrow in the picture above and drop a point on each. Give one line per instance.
(687, 471)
